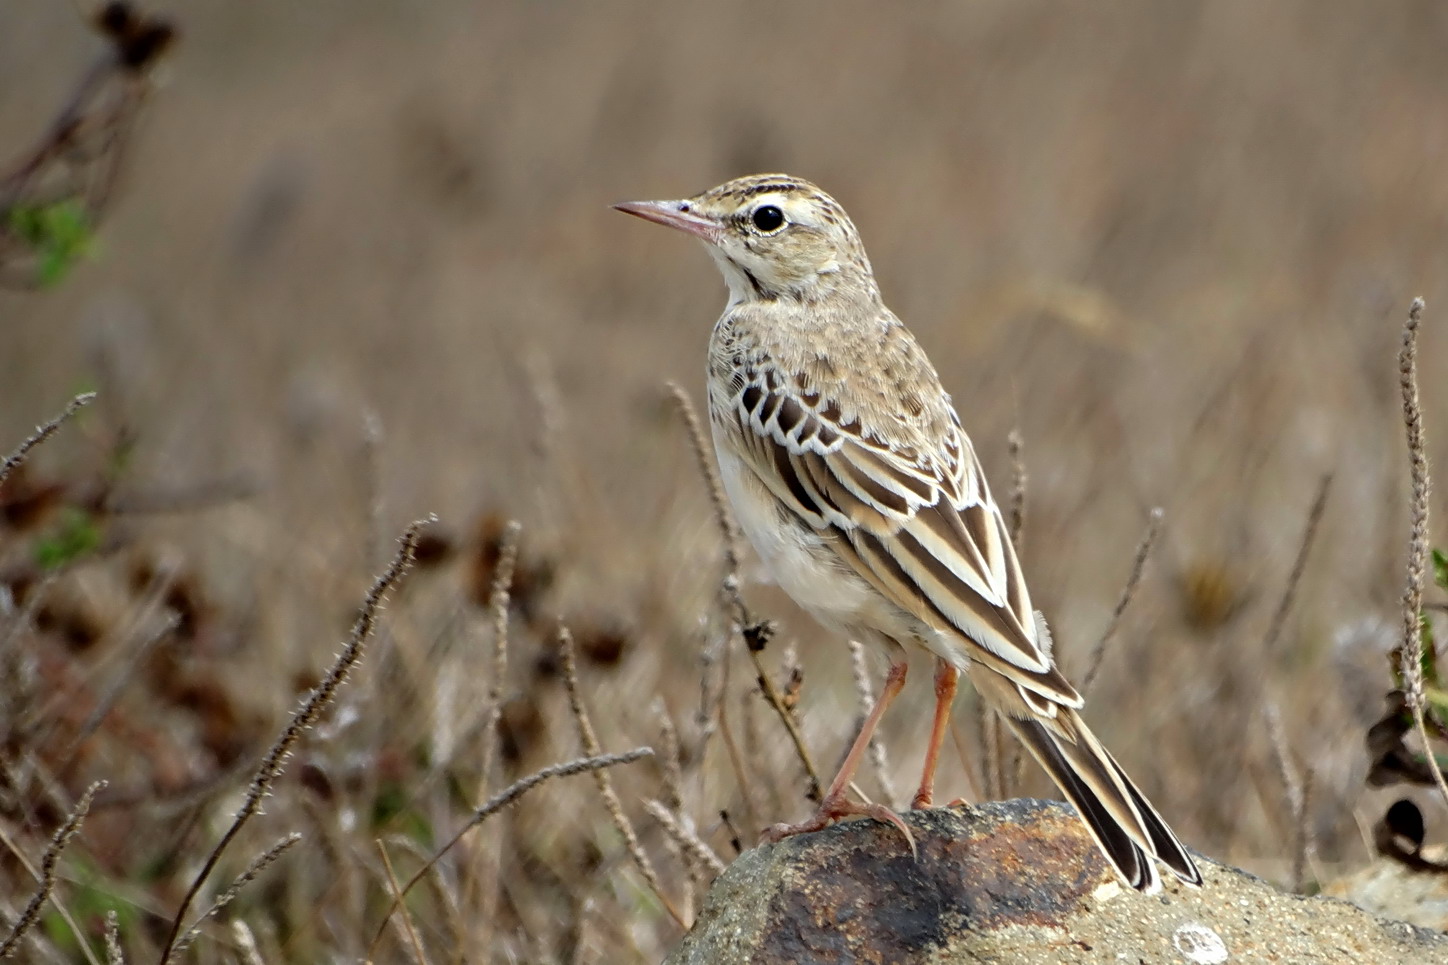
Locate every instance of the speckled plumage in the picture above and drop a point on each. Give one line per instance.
(848, 469)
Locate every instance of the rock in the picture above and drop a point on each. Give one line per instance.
(1388, 887)
(1016, 881)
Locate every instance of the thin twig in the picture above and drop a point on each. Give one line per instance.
(305, 717)
(257, 866)
(48, 863)
(396, 890)
(755, 633)
(589, 739)
(1410, 652)
(1138, 566)
(879, 753)
(1309, 535)
(501, 800)
(42, 433)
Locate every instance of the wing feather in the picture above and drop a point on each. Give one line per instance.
(917, 524)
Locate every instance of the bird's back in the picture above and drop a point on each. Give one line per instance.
(858, 363)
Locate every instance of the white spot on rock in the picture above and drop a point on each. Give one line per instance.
(1199, 944)
(1106, 891)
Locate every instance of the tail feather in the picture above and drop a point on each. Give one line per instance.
(1126, 828)
(1165, 846)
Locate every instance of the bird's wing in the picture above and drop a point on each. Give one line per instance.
(916, 521)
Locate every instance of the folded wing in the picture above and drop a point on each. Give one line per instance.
(914, 517)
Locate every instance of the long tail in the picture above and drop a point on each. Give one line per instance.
(1125, 826)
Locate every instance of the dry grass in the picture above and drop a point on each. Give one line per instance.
(360, 265)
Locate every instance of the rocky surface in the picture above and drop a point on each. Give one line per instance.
(1017, 881)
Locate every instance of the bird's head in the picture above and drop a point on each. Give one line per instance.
(774, 236)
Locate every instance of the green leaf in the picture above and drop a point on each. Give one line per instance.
(76, 534)
(1440, 568)
(60, 234)
(391, 810)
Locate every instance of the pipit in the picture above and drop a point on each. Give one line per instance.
(849, 471)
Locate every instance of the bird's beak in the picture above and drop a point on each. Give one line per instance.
(675, 214)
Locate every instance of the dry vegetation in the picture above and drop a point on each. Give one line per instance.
(359, 267)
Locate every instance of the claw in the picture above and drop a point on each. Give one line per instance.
(833, 810)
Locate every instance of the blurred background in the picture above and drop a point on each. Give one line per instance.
(361, 266)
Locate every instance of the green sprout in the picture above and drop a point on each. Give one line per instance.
(59, 233)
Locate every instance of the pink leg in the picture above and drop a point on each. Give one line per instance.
(946, 679)
(835, 804)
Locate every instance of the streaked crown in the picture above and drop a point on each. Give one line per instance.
(774, 236)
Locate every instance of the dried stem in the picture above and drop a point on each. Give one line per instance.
(990, 745)
(755, 633)
(134, 654)
(42, 433)
(114, 955)
(1002, 768)
(499, 603)
(736, 764)
(88, 137)
(371, 473)
(304, 718)
(1297, 787)
(246, 943)
(1015, 444)
(1410, 652)
(672, 762)
(396, 890)
(673, 769)
(1309, 535)
(1304, 842)
(589, 737)
(684, 837)
(48, 863)
(257, 866)
(499, 600)
(501, 800)
(1138, 566)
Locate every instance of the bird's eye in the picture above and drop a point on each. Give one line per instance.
(767, 218)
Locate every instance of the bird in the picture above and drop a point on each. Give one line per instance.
(847, 467)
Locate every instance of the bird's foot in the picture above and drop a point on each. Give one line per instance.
(925, 800)
(833, 809)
